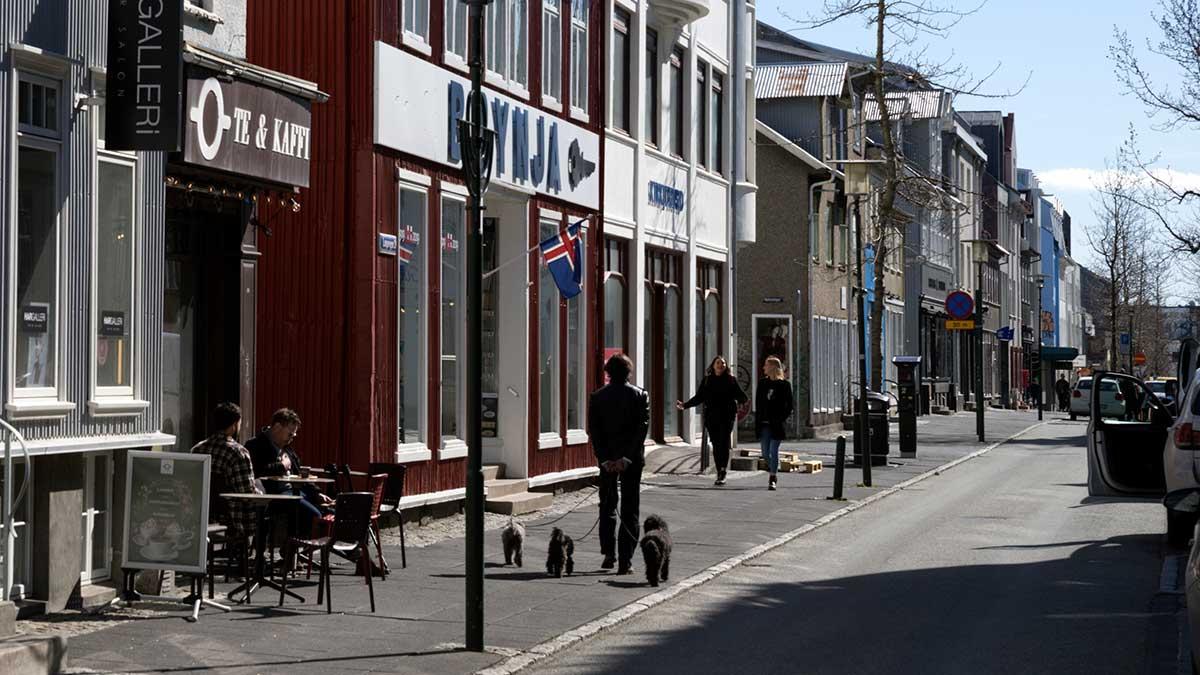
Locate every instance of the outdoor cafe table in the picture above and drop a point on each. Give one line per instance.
(310, 480)
(260, 504)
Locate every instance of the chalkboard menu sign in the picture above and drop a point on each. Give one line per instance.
(166, 511)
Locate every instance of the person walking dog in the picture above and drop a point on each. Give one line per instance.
(618, 419)
(721, 396)
(772, 407)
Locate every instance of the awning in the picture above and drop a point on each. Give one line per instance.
(1059, 357)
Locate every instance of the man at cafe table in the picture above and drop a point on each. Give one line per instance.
(232, 469)
(272, 453)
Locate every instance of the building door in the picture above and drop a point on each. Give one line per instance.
(772, 337)
(96, 542)
(202, 315)
(663, 326)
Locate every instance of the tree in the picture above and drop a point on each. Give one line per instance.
(1119, 241)
(1174, 206)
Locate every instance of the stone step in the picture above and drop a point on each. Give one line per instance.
(33, 655)
(522, 502)
(503, 487)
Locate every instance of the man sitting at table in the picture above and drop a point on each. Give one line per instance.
(232, 468)
(274, 455)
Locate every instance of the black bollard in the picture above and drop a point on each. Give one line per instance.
(839, 468)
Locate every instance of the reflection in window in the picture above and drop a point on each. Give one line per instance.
(453, 217)
(37, 268)
(409, 317)
(548, 358)
(114, 274)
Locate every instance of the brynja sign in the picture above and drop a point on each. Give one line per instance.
(417, 109)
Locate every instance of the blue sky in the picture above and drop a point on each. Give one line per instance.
(1072, 114)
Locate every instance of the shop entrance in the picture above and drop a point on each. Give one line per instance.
(205, 349)
(663, 326)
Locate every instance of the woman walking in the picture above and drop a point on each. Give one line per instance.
(772, 407)
(721, 396)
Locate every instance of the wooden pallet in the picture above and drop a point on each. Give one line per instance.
(811, 466)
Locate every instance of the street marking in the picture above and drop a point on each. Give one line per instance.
(620, 615)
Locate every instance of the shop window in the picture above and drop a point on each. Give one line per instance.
(115, 241)
(576, 344)
(548, 343)
(676, 102)
(620, 71)
(456, 31)
(717, 119)
(453, 259)
(416, 21)
(551, 50)
(96, 543)
(702, 130)
(650, 100)
(36, 292)
(508, 41)
(616, 290)
(579, 55)
(708, 314)
(410, 317)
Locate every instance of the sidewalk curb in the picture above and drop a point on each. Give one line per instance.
(551, 647)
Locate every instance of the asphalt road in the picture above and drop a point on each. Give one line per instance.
(1001, 565)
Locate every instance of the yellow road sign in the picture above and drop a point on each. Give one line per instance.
(966, 324)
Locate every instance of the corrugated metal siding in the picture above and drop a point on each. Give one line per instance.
(799, 79)
(922, 104)
(78, 30)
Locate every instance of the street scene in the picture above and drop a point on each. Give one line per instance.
(324, 350)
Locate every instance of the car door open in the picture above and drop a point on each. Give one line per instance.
(1126, 432)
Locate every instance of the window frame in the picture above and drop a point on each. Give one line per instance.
(553, 437)
(716, 103)
(552, 54)
(40, 400)
(701, 83)
(652, 75)
(622, 120)
(676, 97)
(576, 435)
(579, 58)
(417, 450)
(505, 77)
(451, 447)
(449, 25)
(418, 41)
(102, 393)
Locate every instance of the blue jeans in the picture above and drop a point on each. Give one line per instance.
(770, 449)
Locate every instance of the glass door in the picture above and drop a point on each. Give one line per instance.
(97, 507)
(663, 324)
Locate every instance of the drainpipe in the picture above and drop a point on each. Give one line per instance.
(737, 86)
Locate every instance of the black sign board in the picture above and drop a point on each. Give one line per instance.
(145, 71)
(112, 324)
(248, 129)
(35, 318)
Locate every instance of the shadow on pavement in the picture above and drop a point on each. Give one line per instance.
(1033, 617)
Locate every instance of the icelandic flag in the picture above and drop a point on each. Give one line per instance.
(563, 254)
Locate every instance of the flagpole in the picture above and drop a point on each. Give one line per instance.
(522, 256)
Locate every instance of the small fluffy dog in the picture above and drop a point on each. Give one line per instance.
(656, 549)
(560, 557)
(513, 538)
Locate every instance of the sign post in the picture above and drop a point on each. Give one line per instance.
(166, 521)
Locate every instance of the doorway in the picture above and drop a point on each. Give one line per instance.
(202, 314)
(663, 326)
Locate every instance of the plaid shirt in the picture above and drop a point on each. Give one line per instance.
(232, 463)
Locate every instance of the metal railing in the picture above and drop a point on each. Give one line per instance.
(10, 502)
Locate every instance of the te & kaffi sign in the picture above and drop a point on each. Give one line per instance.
(145, 65)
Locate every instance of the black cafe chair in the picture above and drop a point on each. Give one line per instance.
(392, 494)
(350, 535)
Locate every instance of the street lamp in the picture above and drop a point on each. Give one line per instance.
(477, 143)
(982, 251)
(1041, 282)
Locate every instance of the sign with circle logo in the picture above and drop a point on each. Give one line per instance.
(960, 305)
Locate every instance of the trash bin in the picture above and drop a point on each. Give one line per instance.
(877, 423)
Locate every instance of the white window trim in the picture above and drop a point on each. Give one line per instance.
(416, 40)
(452, 59)
(127, 393)
(504, 81)
(548, 440)
(413, 452)
(450, 445)
(555, 219)
(548, 101)
(39, 402)
(572, 26)
(409, 183)
(576, 437)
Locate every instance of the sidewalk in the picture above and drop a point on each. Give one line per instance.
(419, 623)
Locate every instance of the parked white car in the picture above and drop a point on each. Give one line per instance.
(1181, 461)
(1111, 404)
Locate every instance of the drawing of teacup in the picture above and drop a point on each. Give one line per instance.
(159, 549)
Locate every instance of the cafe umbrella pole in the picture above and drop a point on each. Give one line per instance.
(476, 141)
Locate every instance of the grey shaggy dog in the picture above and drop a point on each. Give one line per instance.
(656, 549)
(560, 558)
(513, 538)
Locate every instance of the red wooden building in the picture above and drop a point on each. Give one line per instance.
(359, 321)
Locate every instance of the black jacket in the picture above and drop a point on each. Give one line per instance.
(773, 405)
(721, 397)
(618, 419)
(268, 461)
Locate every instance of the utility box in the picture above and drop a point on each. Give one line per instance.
(906, 378)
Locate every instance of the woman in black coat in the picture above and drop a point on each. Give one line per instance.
(772, 407)
(721, 396)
